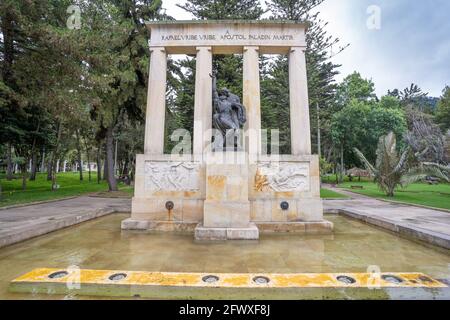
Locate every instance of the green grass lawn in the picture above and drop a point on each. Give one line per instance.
(40, 190)
(437, 196)
(328, 194)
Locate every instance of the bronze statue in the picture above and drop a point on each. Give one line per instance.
(229, 114)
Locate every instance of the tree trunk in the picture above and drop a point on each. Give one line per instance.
(105, 168)
(33, 166)
(23, 168)
(79, 154)
(43, 161)
(50, 167)
(111, 179)
(33, 153)
(10, 167)
(115, 159)
(341, 169)
(99, 163)
(88, 151)
(55, 152)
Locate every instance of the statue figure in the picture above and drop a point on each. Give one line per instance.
(229, 114)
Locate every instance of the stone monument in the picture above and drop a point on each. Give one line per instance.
(222, 190)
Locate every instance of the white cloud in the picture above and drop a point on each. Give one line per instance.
(412, 45)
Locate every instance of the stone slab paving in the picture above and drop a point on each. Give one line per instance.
(22, 223)
(429, 225)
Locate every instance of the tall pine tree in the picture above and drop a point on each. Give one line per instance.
(321, 71)
(223, 9)
(229, 67)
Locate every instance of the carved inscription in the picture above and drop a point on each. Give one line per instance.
(227, 37)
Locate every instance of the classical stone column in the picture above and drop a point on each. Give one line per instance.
(156, 102)
(252, 101)
(298, 88)
(203, 101)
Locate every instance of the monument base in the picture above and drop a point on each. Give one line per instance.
(162, 226)
(221, 234)
(321, 227)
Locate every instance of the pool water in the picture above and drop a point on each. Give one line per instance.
(354, 247)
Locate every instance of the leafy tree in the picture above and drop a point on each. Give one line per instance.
(390, 102)
(390, 166)
(414, 97)
(443, 110)
(180, 104)
(321, 72)
(275, 109)
(229, 67)
(360, 125)
(36, 72)
(113, 44)
(223, 9)
(355, 87)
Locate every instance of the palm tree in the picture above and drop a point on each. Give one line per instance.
(427, 169)
(390, 166)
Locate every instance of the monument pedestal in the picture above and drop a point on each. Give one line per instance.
(251, 232)
(226, 213)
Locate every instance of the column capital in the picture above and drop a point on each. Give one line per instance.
(294, 49)
(256, 48)
(199, 48)
(162, 49)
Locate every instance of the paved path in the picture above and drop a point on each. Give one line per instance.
(21, 223)
(429, 225)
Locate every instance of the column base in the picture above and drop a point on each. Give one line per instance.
(222, 234)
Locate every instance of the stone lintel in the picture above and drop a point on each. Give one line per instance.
(227, 36)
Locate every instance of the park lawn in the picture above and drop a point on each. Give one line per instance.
(328, 194)
(40, 190)
(437, 196)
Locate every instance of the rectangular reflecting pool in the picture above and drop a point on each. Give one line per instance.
(353, 248)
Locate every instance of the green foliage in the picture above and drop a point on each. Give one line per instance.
(413, 97)
(229, 67)
(427, 169)
(389, 102)
(443, 110)
(223, 9)
(354, 87)
(275, 110)
(390, 166)
(320, 71)
(180, 106)
(360, 124)
(325, 167)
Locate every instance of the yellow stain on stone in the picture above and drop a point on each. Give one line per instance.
(261, 182)
(143, 278)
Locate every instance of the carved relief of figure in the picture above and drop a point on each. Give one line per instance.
(229, 114)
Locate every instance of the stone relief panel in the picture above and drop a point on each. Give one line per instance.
(171, 176)
(282, 177)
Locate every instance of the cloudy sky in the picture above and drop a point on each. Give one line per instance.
(393, 42)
